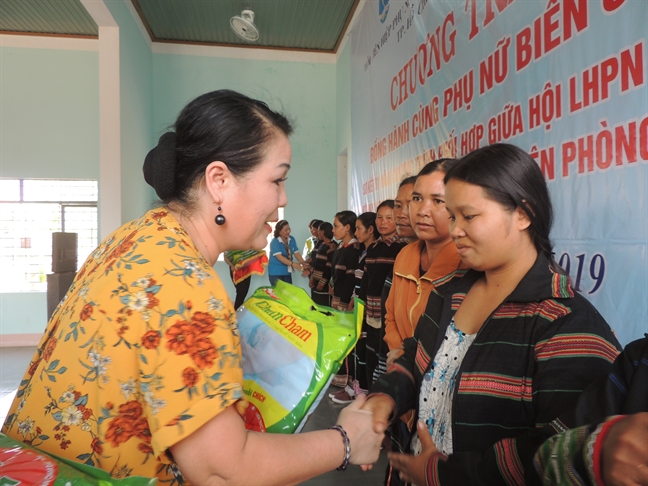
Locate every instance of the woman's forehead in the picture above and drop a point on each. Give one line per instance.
(404, 191)
(456, 186)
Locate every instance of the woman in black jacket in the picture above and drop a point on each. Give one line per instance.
(345, 261)
(321, 266)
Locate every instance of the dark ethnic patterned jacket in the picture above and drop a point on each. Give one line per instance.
(345, 261)
(378, 265)
(533, 356)
(321, 265)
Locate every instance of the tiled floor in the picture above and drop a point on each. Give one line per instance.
(14, 362)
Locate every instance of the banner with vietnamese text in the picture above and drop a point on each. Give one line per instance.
(563, 79)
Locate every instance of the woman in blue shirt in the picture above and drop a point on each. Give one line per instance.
(282, 250)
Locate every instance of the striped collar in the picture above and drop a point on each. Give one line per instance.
(539, 283)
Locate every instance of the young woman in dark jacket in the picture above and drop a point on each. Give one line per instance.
(321, 266)
(378, 266)
(345, 261)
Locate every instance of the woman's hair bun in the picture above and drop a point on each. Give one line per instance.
(160, 167)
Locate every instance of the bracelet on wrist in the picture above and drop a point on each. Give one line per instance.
(347, 447)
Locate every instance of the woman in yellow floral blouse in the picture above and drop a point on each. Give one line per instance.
(139, 369)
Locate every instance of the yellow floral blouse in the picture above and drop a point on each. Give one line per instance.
(143, 351)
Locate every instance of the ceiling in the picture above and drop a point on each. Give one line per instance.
(54, 17)
(305, 25)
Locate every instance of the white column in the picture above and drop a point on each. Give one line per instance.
(109, 118)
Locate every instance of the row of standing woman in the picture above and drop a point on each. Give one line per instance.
(479, 359)
(417, 216)
(336, 272)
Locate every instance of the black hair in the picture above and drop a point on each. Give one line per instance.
(509, 176)
(407, 180)
(442, 165)
(389, 203)
(368, 220)
(326, 228)
(221, 125)
(279, 226)
(315, 223)
(347, 217)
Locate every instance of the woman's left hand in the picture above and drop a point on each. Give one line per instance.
(413, 469)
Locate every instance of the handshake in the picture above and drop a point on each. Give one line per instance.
(366, 421)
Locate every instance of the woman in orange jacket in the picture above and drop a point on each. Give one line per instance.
(421, 262)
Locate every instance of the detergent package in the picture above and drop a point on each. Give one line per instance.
(21, 464)
(291, 349)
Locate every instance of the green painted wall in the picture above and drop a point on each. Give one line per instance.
(49, 113)
(343, 100)
(23, 313)
(305, 92)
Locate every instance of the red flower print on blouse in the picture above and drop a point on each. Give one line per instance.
(49, 348)
(96, 446)
(151, 340)
(203, 353)
(132, 409)
(127, 424)
(180, 337)
(121, 249)
(204, 322)
(86, 312)
(120, 430)
(152, 300)
(190, 377)
(33, 366)
(86, 412)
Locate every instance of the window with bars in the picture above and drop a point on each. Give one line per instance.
(30, 211)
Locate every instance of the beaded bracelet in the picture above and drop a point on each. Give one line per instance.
(347, 447)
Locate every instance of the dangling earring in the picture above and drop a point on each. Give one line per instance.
(220, 219)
